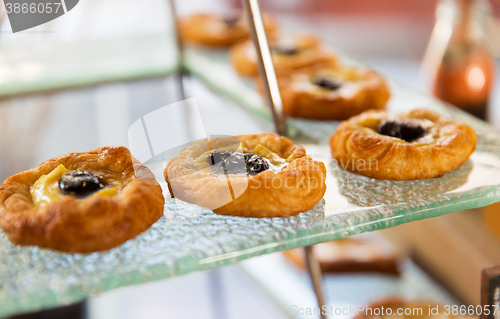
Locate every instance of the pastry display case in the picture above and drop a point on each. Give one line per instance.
(189, 238)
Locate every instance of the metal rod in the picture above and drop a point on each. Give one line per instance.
(216, 288)
(316, 277)
(265, 63)
(181, 73)
(180, 52)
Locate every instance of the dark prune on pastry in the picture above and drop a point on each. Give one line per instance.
(327, 83)
(285, 50)
(225, 162)
(217, 156)
(255, 164)
(401, 129)
(79, 183)
(231, 21)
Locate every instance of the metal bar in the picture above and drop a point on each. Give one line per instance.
(180, 52)
(216, 290)
(265, 63)
(316, 277)
(181, 73)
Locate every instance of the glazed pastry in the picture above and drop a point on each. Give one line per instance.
(415, 145)
(221, 30)
(81, 202)
(257, 175)
(288, 54)
(331, 93)
(393, 307)
(351, 255)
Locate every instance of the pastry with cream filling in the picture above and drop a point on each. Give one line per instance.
(81, 202)
(256, 175)
(221, 30)
(418, 144)
(331, 93)
(288, 54)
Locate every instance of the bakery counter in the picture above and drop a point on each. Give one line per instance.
(185, 237)
(188, 238)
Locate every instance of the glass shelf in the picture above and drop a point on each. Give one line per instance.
(341, 289)
(56, 65)
(189, 238)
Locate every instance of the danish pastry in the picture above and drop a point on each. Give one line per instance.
(418, 144)
(81, 202)
(331, 93)
(351, 255)
(288, 54)
(257, 175)
(221, 30)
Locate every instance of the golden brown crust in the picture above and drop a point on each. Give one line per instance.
(244, 59)
(92, 224)
(349, 255)
(210, 29)
(295, 189)
(360, 91)
(358, 148)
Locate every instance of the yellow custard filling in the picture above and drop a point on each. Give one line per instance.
(370, 122)
(346, 75)
(46, 188)
(269, 155)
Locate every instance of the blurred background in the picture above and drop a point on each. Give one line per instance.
(78, 82)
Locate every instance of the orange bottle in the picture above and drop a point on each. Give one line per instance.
(463, 73)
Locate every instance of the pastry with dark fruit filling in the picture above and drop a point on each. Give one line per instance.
(331, 93)
(418, 144)
(81, 202)
(221, 30)
(256, 175)
(288, 54)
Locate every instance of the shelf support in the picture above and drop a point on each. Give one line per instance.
(179, 74)
(266, 69)
(273, 100)
(316, 277)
